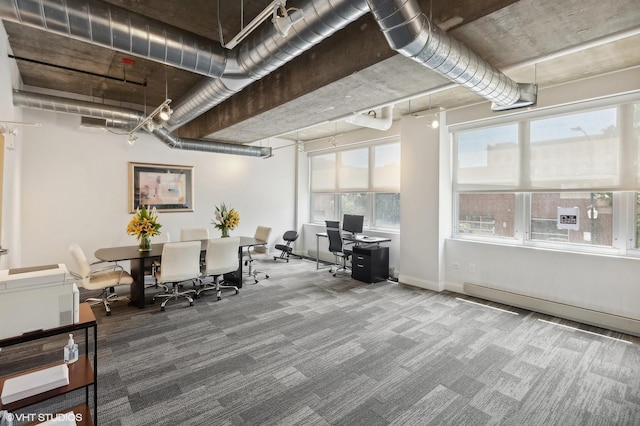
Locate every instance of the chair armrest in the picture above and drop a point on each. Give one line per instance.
(112, 266)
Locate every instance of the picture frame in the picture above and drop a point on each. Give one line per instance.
(167, 187)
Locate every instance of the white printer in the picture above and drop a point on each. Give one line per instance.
(36, 298)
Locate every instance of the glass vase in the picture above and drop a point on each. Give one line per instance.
(145, 243)
(225, 232)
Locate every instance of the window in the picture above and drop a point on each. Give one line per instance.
(486, 214)
(363, 181)
(595, 219)
(575, 150)
(510, 178)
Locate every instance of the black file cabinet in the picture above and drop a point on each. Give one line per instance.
(370, 263)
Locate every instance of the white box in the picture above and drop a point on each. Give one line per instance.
(30, 384)
(20, 279)
(33, 299)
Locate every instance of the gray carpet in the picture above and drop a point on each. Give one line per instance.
(306, 348)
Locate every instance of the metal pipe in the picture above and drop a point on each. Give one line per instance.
(265, 51)
(123, 118)
(106, 25)
(411, 33)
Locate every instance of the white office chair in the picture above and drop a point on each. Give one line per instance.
(155, 264)
(192, 234)
(180, 263)
(102, 278)
(221, 258)
(262, 233)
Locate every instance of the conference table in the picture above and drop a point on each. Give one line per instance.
(141, 259)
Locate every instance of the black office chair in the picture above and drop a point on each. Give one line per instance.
(286, 249)
(337, 248)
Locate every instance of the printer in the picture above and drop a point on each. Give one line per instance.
(37, 298)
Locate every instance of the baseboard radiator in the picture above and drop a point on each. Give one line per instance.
(561, 310)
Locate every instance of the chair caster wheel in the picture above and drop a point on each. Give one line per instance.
(237, 291)
(109, 313)
(153, 301)
(219, 298)
(190, 303)
(161, 308)
(266, 276)
(196, 296)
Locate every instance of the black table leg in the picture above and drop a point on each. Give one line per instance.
(137, 288)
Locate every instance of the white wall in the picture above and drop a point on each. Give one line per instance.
(10, 232)
(424, 203)
(74, 188)
(600, 283)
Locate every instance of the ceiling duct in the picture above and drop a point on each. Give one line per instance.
(210, 146)
(74, 106)
(404, 25)
(409, 32)
(109, 26)
(265, 51)
(123, 118)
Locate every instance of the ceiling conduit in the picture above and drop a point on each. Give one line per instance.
(265, 51)
(409, 32)
(109, 26)
(117, 117)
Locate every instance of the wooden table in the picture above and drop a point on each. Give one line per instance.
(141, 259)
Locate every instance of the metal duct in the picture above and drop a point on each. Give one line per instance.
(409, 32)
(74, 106)
(265, 51)
(122, 118)
(210, 146)
(109, 26)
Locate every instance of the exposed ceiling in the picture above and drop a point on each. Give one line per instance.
(542, 41)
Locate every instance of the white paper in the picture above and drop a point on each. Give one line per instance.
(30, 384)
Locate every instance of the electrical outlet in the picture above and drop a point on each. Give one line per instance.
(472, 267)
(455, 265)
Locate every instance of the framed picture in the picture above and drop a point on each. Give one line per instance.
(168, 188)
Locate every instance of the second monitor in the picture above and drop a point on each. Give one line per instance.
(352, 223)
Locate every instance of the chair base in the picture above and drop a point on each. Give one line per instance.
(217, 285)
(174, 295)
(105, 299)
(339, 268)
(253, 273)
(285, 252)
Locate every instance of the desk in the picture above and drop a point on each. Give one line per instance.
(360, 239)
(139, 259)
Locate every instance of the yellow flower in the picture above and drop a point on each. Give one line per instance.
(225, 218)
(144, 222)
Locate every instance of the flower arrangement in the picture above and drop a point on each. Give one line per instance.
(225, 219)
(144, 225)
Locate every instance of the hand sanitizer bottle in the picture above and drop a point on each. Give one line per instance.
(71, 351)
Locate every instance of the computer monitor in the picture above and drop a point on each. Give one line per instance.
(353, 223)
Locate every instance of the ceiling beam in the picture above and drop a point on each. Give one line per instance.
(353, 49)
